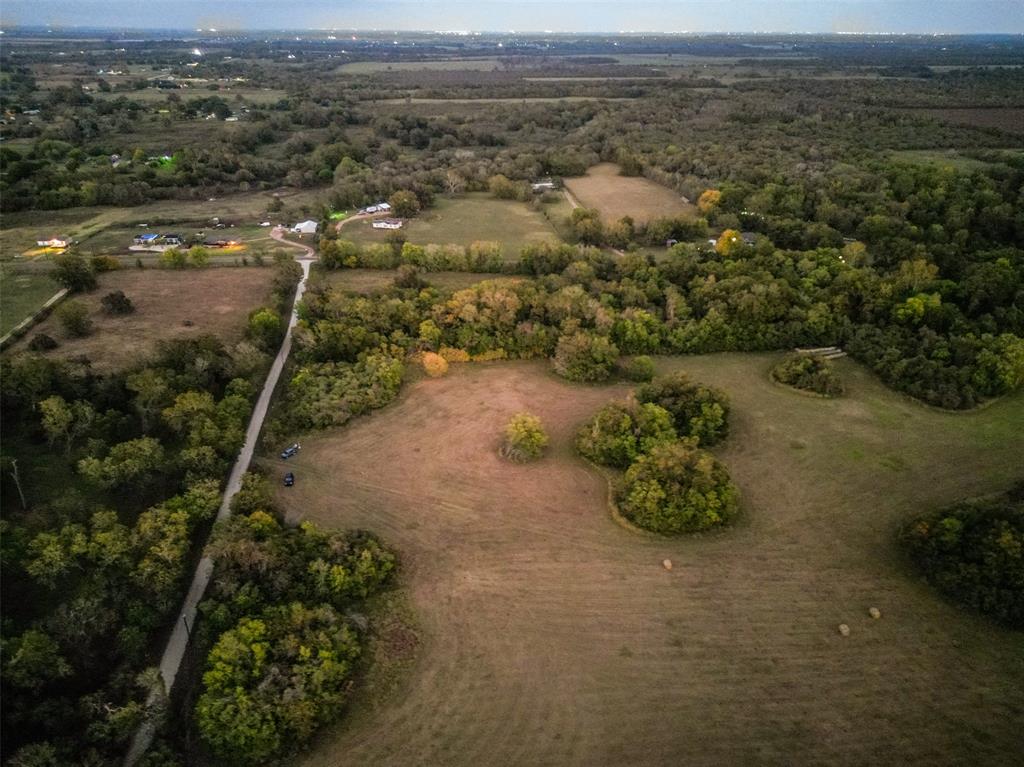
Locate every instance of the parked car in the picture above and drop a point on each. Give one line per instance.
(289, 479)
(288, 452)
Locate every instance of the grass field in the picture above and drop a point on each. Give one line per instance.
(550, 635)
(464, 220)
(375, 280)
(216, 301)
(483, 64)
(616, 196)
(22, 294)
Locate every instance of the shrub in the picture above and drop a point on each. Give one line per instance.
(678, 488)
(434, 364)
(117, 303)
(698, 411)
(408, 276)
(104, 264)
(42, 343)
(620, 432)
(452, 354)
(74, 317)
(809, 373)
(585, 357)
(525, 439)
(974, 553)
(640, 369)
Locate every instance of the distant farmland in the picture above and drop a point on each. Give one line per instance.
(615, 196)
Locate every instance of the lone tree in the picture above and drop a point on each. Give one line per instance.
(678, 488)
(74, 273)
(585, 357)
(525, 439)
(697, 410)
(404, 203)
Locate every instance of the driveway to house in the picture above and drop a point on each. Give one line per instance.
(174, 652)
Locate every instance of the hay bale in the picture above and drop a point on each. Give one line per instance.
(844, 630)
(874, 612)
(667, 564)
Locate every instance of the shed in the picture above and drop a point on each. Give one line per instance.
(387, 223)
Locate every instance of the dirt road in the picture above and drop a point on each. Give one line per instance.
(174, 652)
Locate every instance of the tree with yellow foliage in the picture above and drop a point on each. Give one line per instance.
(709, 200)
(729, 242)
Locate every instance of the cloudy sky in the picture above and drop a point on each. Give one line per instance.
(963, 16)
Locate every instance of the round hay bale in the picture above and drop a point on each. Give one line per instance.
(874, 612)
(844, 630)
(667, 564)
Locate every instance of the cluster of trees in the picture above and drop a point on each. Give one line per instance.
(974, 554)
(283, 622)
(808, 372)
(671, 484)
(586, 225)
(587, 307)
(115, 477)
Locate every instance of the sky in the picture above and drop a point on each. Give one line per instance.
(849, 16)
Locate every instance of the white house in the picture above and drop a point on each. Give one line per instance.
(383, 207)
(306, 227)
(54, 242)
(387, 223)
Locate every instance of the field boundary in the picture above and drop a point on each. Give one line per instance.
(22, 328)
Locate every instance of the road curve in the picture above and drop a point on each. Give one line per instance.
(177, 643)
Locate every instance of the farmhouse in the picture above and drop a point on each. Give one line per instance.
(306, 227)
(54, 242)
(543, 186)
(387, 223)
(146, 239)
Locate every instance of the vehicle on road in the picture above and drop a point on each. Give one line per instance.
(289, 479)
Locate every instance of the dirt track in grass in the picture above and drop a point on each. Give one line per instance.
(552, 636)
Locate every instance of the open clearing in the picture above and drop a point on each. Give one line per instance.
(553, 636)
(375, 280)
(217, 302)
(615, 196)
(1009, 119)
(464, 220)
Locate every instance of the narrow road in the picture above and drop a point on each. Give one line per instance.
(174, 652)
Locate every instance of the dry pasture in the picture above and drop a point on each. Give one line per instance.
(615, 196)
(217, 301)
(550, 635)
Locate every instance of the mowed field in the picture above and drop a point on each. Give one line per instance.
(464, 220)
(550, 635)
(615, 196)
(216, 301)
(22, 294)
